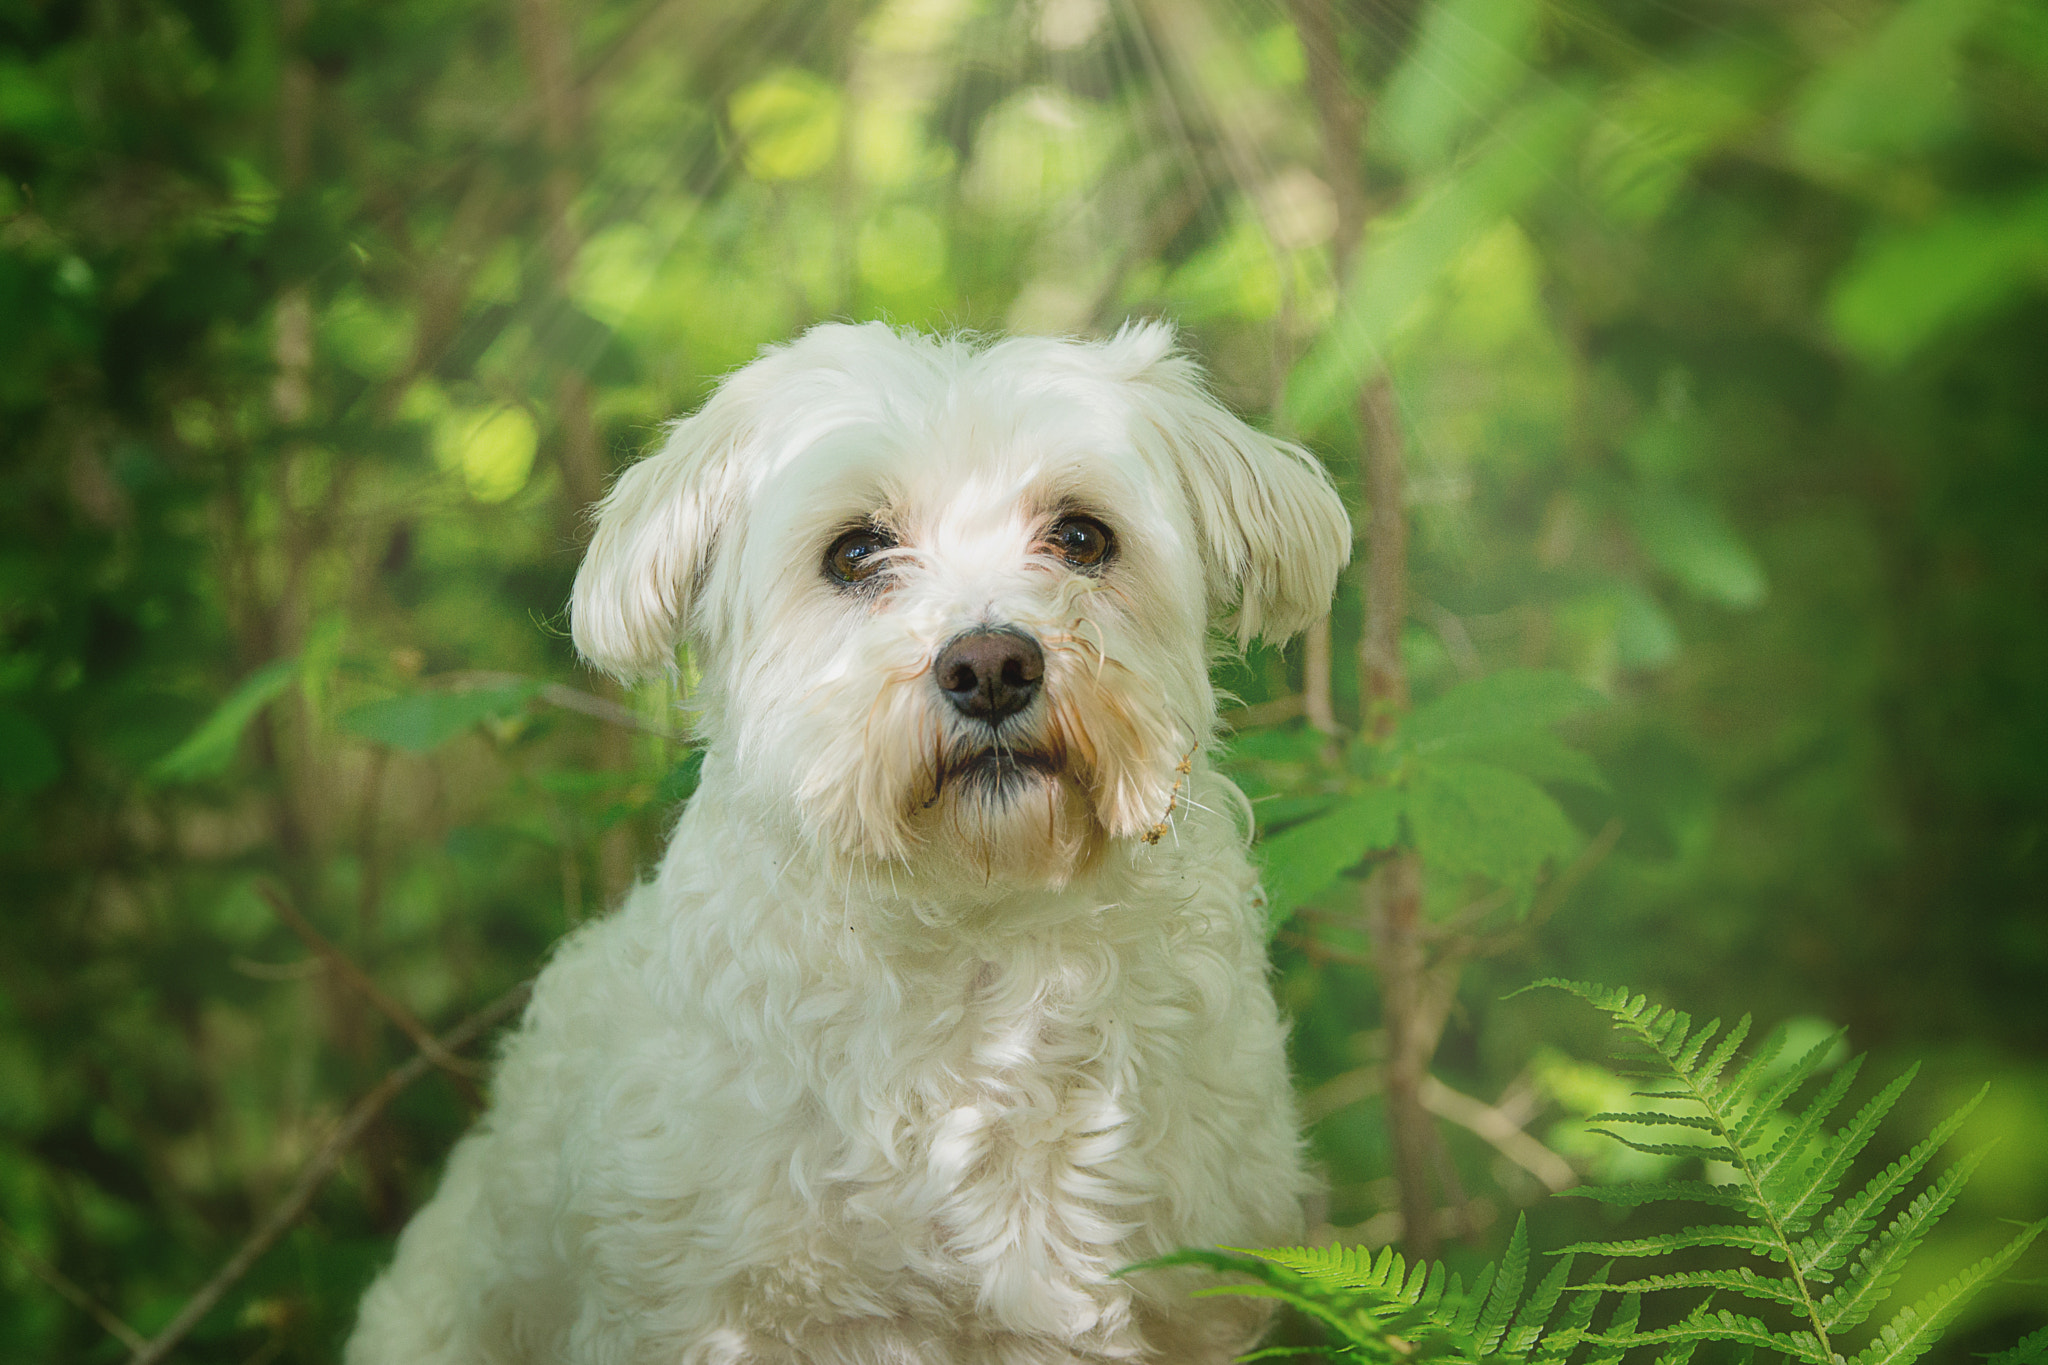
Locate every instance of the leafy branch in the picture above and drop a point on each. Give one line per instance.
(1820, 1261)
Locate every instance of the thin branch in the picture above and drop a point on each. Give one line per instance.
(606, 710)
(71, 1290)
(1340, 1092)
(316, 1171)
(570, 699)
(1501, 1131)
(344, 966)
(1259, 713)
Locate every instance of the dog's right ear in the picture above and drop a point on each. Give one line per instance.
(656, 531)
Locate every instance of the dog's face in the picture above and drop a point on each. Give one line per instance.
(952, 604)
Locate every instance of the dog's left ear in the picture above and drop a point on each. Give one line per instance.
(638, 590)
(1275, 534)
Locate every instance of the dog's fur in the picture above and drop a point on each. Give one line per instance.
(925, 1027)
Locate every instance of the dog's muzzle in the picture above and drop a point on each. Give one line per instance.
(990, 674)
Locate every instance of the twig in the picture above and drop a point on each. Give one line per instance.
(1501, 1131)
(571, 699)
(1340, 1092)
(605, 709)
(1259, 713)
(71, 1289)
(345, 967)
(315, 1173)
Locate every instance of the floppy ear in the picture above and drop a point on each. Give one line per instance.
(640, 579)
(1274, 532)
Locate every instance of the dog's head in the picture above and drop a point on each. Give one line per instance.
(953, 602)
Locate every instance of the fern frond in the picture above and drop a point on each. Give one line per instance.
(1346, 1267)
(1508, 1279)
(1677, 1149)
(1914, 1329)
(1653, 1118)
(1527, 1328)
(1741, 1280)
(1783, 1188)
(1809, 1128)
(1562, 1338)
(1774, 1089)
(2031, 1349)
(1753, 1240)
(1704, 1324)
(1626, 1315)
(1848, 1225)
(1812, 1192)
(1650, 1192)
(1878, 1267)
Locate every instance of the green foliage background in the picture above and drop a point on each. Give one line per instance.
(1714, 331)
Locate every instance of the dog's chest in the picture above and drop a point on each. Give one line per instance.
(1006, 1163)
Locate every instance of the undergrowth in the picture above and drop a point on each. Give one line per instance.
(1808, 1270)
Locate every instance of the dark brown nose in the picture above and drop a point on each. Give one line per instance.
(990, 674)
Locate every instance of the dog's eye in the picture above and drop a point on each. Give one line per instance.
(1083, 542)
(856, 555)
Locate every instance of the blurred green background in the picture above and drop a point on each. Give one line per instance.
(1713, 332)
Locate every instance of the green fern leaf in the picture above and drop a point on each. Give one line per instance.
(1741, 1280)
(1345, 1267)
(1846, 1228)
(1275, 1352)
(1753, 1240)
(1763, 1106)
(1651, 1118)
(1706, 1325)
(1686, 1191)
(1878, 1267)
(1493, 1320)
(1528, 1324)
(1677, 1149)
(1807, 1130)
(2031, 1349)
(1812, 1192)
(1561, 1339)
(1626, 1315)
(1710, 1070)
(1914, 1329)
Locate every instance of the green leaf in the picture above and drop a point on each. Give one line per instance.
(29, 760)
(1913, 1330)
(1907, 286)
(1304, 859)
(679, 783)
(208, 750)
(1507, 1289)
(1847, 1226)
(422, 721)
(1753, 1240)
(1475, 818)
(1709, 1325)
(1896, 94)
(1879, 1266)
(1741, 1280)
(1501, 706)
(1465, 59)
(1399, 268)
(1536, 754)
(1694, 543)
(2031, 1349)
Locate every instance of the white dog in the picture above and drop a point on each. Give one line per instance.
(949, 998)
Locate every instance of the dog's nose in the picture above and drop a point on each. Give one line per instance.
(989, 674)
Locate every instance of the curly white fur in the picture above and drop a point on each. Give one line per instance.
(890, 1064)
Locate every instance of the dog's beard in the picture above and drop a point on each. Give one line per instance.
(1007, 808)
(1035, 799)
